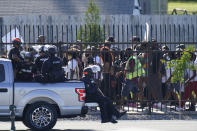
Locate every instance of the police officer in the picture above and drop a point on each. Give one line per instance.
(25, 73)
(33, 53)
(52, 70)
(40, 59)
(93, 94)
(15, 56)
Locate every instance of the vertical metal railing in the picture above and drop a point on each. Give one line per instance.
(69, 34)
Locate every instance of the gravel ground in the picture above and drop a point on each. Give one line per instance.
(96, 116)
(142, 115)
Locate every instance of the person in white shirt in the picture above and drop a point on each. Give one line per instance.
(97, 61)
(72, 69)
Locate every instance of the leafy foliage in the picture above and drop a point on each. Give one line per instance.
(181, 64)
(91, 32)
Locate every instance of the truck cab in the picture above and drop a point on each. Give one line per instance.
(6, 90)
(39, 105)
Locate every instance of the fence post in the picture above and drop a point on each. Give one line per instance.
(12, 117)
(180, 111)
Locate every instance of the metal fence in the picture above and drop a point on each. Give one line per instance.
(171, 100)
(111, 81)
(121, 32)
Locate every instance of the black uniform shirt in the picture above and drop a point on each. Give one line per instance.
(25, 73)
(90, 85)
(52, 69)
(15, 52)
(39, 62)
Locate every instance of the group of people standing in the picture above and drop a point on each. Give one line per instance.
(134, 73)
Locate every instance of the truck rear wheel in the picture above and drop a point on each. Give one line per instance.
(25, 123)
(40, 116)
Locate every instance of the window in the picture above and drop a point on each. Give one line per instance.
(2, 73)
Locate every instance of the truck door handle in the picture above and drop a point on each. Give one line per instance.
(3, 90)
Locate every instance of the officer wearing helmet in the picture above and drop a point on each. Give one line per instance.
(52, 70)
(26, 71)
(94, 94)
(15, 55)
(43, 56)
(33, 53)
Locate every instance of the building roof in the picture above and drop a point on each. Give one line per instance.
(66, 7)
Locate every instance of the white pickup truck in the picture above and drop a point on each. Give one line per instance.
(39, 105)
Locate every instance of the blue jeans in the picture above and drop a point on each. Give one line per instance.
(129, 86)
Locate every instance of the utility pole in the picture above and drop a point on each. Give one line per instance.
(137, 8)
(159, 7)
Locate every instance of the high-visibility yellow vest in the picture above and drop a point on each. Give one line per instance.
(138, 69)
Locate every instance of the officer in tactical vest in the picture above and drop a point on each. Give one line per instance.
(94, 94)
(52, 68)
(15, 56)
(41, 58)
(26, 71)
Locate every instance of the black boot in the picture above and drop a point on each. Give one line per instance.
(113, 121)
(121, 114)
(105, 121)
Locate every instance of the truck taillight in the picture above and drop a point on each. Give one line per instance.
(81, 94)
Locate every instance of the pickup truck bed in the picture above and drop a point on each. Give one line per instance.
(62, 94)
(32, 99)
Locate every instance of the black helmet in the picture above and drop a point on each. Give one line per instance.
(43, 49)
(90, 60)
(87, 72)
(27, 55)
(52, 50)
(16, 41)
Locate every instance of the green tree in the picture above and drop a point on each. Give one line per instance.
(91, 31)
(181, 64)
